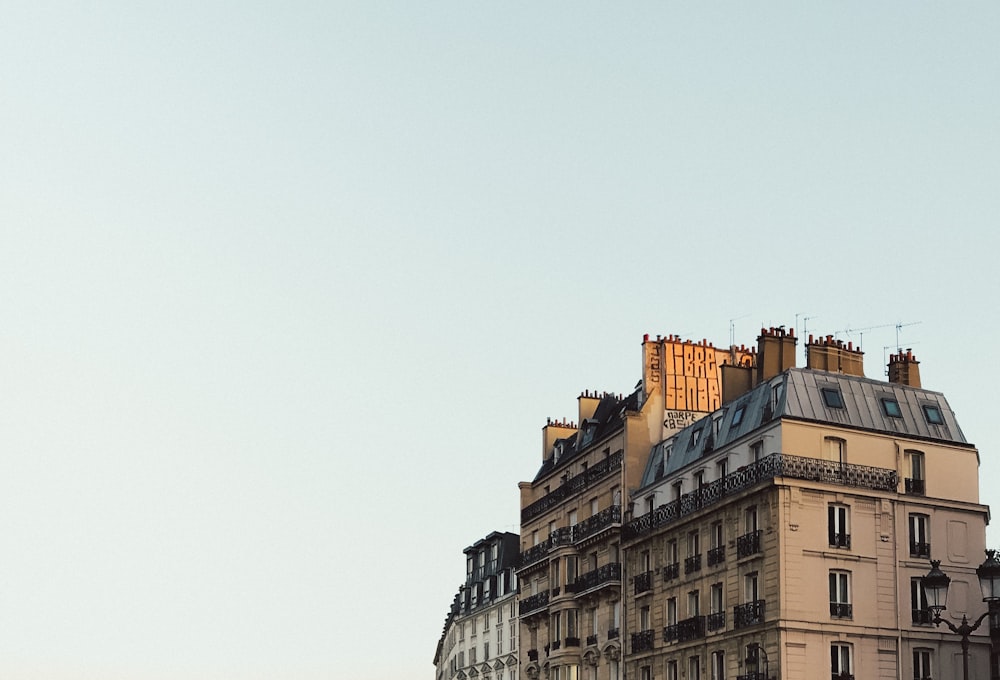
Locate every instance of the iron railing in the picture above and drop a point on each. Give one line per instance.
(748, 614)
(716, 555)
(765, 469)
(612, 571)
(748, 544)
(643, 582)
(573, 485)
(671, 571)
(533, 602)
(642, 641)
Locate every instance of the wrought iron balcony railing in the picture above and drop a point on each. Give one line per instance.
(691, 629)
(692, 564)
(572, 642)
(716, 555)
(914, 486)
(642, 641)
(591, 640)
(671, 571)
(671, 633)
(533, 603)
(840, 540)
(920, 549)
(573, 485)
(748, 544)
(775, 465)
(841, 610)
(921, 615)
(556, 644)
(608, 517)
(532, 655)
(643, 582)
(562, 536)
(748, 614)
(534, 554)
(612, 633)
(609, 573)
(716, 621)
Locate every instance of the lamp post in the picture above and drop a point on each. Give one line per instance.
(936, 584)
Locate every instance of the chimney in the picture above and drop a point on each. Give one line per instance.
(827, 354)
(775, 352)
(587, 405)
(904, 369)
(554, 431)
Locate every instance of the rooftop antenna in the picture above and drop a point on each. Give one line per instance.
(900, 326)
(732, 329)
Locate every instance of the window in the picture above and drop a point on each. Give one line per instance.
(717, 535)
(750, 585)
(837, 526)
(920, 545)
(933, 414)
(616, 615)
(840, 595)
(678, 490)
(694, 604)
(737, 416)
(593, 506)
(890, 407)
(722, 468)
(922, 664)
(750, 519)
(694, 667)
(694, 544)
(499, 638)
(717, 603)
(672, 670)
(835, 449)
(718, 665)
(671, 611)
(695, 438)
(832, 397)
(672, 556)
(915, 481)
(918, 602)
(572, 519)
(486, 650)
(645, 673)
(840, 661)
(756, 451)
(573, 623)
(644, 623)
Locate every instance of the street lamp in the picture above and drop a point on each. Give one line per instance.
(936, 584)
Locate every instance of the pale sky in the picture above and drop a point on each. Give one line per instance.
(288, 290)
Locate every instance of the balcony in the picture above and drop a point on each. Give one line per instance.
(573, 485)
(572, 642)
(716, 621)
(914, 487)
(841, 610)
(671, 633)
(748, 544)
(609, 573)
(612, 633)
(532, 655)
(840, 540)
(591, 640)
(692, 564)
(753, 675)
(716, 555)
(642, 642)
(556, 644)
(921, 616)
(671, 571)
(691, 629)
(605, 519)
(918, 549)
(748, 614)
(764, 470)
(842, 676)
(533, 603)
(561, 536)
(534, 554)
(643, 582)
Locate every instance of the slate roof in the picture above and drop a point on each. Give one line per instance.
(801, 398)
(607, 420)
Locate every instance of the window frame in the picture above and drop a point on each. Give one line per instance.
(893, 411)
(832, 397)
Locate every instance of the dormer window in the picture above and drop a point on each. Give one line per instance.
(738, 416)
(832, 397)
(933, 414)
(695, 438)
(890, 407)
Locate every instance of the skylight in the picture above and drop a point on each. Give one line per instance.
(933, 415)
(832, 398)
(890, 407)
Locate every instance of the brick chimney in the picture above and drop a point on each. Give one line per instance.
(554, 431)
(775, 352)
(904, 369)
(827, 354)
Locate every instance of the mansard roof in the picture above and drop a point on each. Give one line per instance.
(810, 395)
(606, 421)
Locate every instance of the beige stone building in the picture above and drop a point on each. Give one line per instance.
(570, 567)
(479, 641)
(787, 530)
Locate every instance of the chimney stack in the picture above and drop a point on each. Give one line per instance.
(775, 352)
(827, 354)
(904, 369)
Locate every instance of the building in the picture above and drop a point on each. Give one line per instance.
(785, 533)
(570, 567)
(480, 634)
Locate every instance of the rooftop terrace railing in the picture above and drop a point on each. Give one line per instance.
(775, 465)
